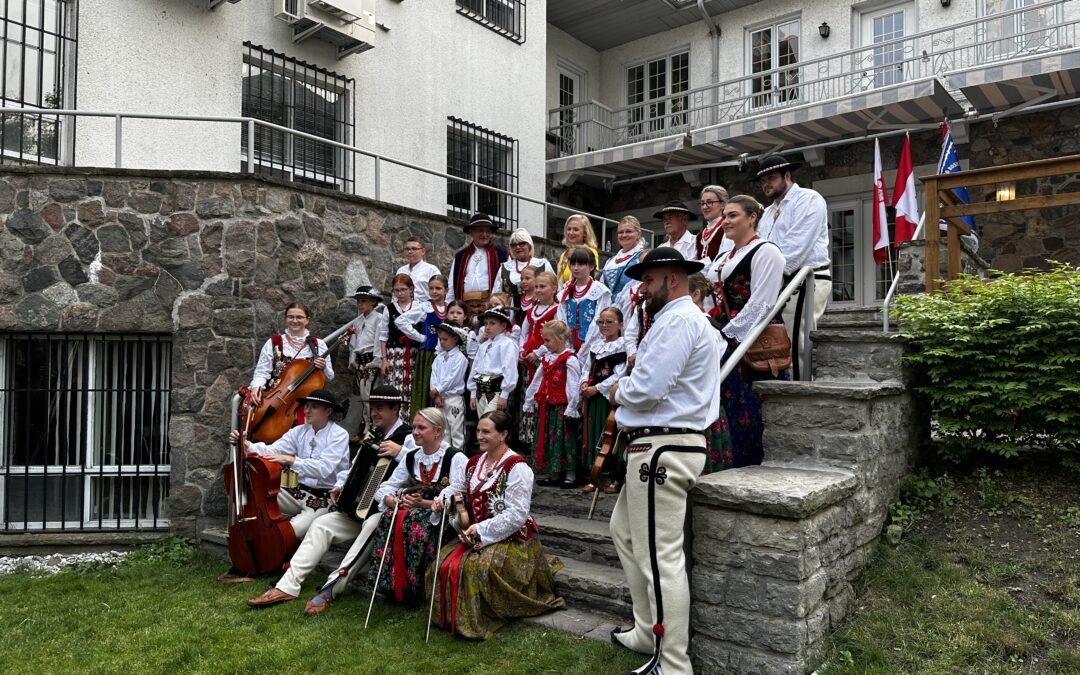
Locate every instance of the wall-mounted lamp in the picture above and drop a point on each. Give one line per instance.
(1006, 192)
(824, 29)
(946, 3)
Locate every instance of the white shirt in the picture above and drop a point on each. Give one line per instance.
(497, 356)
(601, 350)
(414, 314)
(766, 282)
(476, 274)
(408, 444)
(573, 384)
(512, 268)
(799, 225)
(421, 274)
(623, 300)
(400, 477)
(516, 501)
(406, 323)
(687, 245)
(674, 380)
(316, 466)
(265, 365)
(448, 371)
(367, 333)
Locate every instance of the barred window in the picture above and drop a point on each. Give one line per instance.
(506, 17)
(487, 157)
(84, 423)
(38, 56)
(300, 96)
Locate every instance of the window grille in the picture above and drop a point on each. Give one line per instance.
(37, 70)
(84, 423)
(300, 96)
(505, 17)
(482, 155)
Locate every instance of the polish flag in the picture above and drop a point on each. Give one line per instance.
(881, 221)
(905, 201)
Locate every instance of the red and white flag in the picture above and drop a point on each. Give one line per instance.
(906, 203)
(881, 220)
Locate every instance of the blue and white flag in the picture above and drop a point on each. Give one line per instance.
(950, 164)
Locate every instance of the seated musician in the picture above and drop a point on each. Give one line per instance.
(335, 527)
(413, 544)
(502, 572)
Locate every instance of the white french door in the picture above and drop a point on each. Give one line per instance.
(884, 60)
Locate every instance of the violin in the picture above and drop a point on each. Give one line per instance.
(607, 470)
(276, 413)
(459, 520)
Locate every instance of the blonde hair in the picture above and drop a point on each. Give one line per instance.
(505, 298)
(434, 416)
(548, 277)
(717, 190)
(555, 328)
(631, 220)
(586, 224)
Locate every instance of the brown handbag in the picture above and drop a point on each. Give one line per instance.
(771, 352)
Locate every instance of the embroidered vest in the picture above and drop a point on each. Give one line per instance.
(615, 277)
(394, 336)
(534, 340)
(428, 329)
(488, 503)
(553, 386)
(604, 368)
(277, 351)
(737, 285)
(432, 489)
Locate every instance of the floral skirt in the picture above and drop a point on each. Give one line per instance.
(719, 452)
(558, 445)
(742, 408)
(421, 379)
(596, 413)
(503, 581)
(411, 549)
(398, 376)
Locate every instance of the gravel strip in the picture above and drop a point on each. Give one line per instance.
(54, 562)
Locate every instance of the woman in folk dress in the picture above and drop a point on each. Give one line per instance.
(282, 348)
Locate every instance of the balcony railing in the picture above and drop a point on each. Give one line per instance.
(1005, 36)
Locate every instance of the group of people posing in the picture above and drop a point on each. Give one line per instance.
(539, 355)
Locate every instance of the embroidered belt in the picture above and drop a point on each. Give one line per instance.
(489, 384)
(638, 432)
(364, 358)
(312, 497)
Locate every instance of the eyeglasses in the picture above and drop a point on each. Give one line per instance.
(710, 203)
(519, 243)
(606, 322)
(296, 318)
(413, 248)
(403, 289)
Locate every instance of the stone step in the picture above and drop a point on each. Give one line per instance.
(845, 313)
(579, 623)
(859, 355)
(594, 587)
(586, 540)
(571, 503)
(216, 541)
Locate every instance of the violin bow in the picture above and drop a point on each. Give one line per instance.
(435, 581)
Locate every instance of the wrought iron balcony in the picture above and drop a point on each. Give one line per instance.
(1005, 37)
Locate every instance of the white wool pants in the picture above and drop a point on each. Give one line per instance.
(327, 530)
(454, 410)
(301, 516)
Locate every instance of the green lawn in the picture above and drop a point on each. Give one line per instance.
(167, 614)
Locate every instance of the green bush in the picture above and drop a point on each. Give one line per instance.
(1001, 361)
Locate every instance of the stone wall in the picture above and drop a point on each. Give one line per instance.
(211, 259)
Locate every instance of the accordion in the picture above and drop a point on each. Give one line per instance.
(368, 470)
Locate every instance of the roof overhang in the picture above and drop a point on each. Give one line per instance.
(1008, 88)
(658, 154)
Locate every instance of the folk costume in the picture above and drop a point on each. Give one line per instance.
(510, 577)
(601, 367)
(365, 354)
(400, 347)
(427, 340)
(752, 278)
(562, 267)
(555, 395)
(474, 270)
(279, 351)
(448, 373)
(532, 342)
(421, 274)
(579, 307)
(412, 536)
(614, 277)
(711, 242)
(666, 402)
(509, 278)
(686, 244)
(494, 372)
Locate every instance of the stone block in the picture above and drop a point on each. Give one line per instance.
(776, 491)
(28, 226)
(214, 207)
(67, 189)
(83, 241)
(787, 599)
(113, 239)
(784, 565)
(710, 655)
(743, 591)
(91, 213)
(39, 278)
(35, 311)
(749, 629)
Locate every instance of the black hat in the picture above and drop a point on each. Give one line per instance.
(499, 313)
(675, 206)
(771, 163)
(384, 393)
(453, 329)
(368, 292)
(664, 256)
(324, 396)
(480, 220)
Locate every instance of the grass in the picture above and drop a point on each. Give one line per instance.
(988, 584)
(164, 612)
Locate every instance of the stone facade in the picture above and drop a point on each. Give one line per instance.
(211, 259)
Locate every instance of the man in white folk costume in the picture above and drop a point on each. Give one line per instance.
(670, 397)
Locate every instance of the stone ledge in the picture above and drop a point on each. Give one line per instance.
(828, 334)
(850, 390)
(55, 541)
(783, 492)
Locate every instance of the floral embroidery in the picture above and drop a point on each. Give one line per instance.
(660, 476)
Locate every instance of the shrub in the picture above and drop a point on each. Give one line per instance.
(1001, 361)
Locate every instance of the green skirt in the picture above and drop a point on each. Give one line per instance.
(421, 380)
(557, 447)
(596, 412)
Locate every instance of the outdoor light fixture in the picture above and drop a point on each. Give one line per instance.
(824, 29)
(946, 3)
(1006, 192)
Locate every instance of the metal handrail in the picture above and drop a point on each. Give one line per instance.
(802, 279)
(251, 123)
(896, 281)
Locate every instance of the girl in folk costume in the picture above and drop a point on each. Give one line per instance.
(499, 570)
(711, 241)
(409, 540)
(577, 232)
(751, 277)
(397, 347)
(494, 372)
(582, 299)
(521, 257)
(527, 284)
(554, 392)
(424, 354)
(540, 311)
(282, 348)
(719, 453)
(457, 312)
(448, 379)
(601, 367)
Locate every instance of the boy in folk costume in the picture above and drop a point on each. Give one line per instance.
(554, 392)
(448, 379)
(424, 334)
(494, 373)
(476, 267)
(420, 270)
(363, 360)
(582, 299)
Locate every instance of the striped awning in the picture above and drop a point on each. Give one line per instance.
(994, 88)
(660, 154)
(902, 105)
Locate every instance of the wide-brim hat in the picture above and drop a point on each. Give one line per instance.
(664, 256)
(480, 220)
(384, 393)
(367, 292)
(499, 313)
(771, 163)
(453, 329)
(324, 396)
(675, 206)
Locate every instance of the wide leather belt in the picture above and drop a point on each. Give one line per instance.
(638, 432)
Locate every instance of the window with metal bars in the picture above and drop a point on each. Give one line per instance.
(505, 17)
(487, 157)
(300, 96)
(37, 70)
(84, 422)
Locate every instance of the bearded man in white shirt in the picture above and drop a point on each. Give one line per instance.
(796, 220)
(670, 397)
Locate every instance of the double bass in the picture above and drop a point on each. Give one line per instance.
(607, 470)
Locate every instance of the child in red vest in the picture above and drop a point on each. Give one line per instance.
(554, 393)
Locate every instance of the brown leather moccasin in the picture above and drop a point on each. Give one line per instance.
(270, 598)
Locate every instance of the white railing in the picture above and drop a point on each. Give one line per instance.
(896, 281)
(1004, 36)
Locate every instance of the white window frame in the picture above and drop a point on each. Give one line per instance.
(768, 99)
(652, 124)
(986, 30)
(477, 143)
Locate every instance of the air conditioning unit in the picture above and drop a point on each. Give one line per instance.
(289, 11)
(347, 24)
(346, 10)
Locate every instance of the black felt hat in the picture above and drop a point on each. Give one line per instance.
(676, 207)
(384, 393)
(771, 163)
(481, 220)
(368, 292)
(324, 396)
(664, 256)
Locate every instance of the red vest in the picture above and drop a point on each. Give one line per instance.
(534, 340)
(553, 387)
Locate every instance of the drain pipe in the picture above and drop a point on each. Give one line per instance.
(714, 31)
